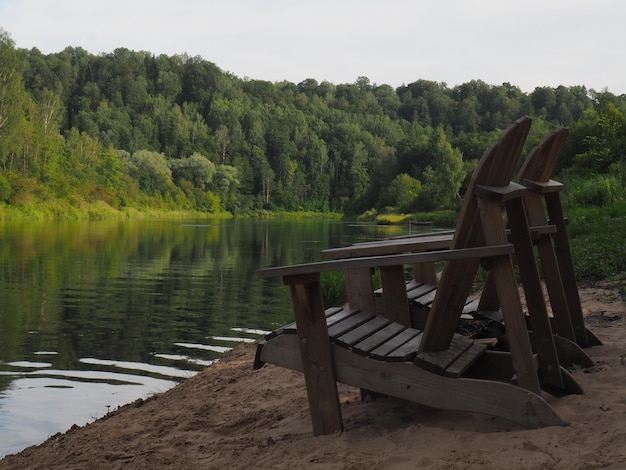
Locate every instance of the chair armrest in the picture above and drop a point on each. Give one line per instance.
(384, 261)
(391, 246)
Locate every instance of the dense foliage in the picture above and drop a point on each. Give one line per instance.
(133, 129)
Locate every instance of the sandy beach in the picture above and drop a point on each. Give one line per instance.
(231, 416)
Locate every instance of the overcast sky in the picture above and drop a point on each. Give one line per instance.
(528, 44)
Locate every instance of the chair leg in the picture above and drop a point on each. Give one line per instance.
(566, 267)
(316, 353)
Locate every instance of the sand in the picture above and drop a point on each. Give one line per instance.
(231, 416)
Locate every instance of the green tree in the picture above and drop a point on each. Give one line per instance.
(402, 193)
(14, 102)
(197, 169)
(443, 178)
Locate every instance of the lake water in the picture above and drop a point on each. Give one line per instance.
(98, 314)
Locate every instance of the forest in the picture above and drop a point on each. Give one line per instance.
(134, 130)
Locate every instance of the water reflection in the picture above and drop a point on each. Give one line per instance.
(99, 314)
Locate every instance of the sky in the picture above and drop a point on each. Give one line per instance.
(528, 44)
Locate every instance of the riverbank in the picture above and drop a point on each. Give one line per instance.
(230, 416)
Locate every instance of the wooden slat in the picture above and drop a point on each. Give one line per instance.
(291, 329)
(396, 305)
(373, 341)
(340, 316)
(360, 289)
(317, 358)
(424, 289)
(404, 380)
(437, 241)
(381, 352)
(349, 323)
(425, 272)
(465, 361)
(438, 361)
(550, 186)
(405, 352)
(426, 300)
(471, 306)
(361, 332)
(500, 193)
(291, 274)
(525, 256)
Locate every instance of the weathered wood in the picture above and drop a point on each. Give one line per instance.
(396, 305)
(436, 241)
(360, 289)
(340, 315)
(317, 358)
(406, 381)
(382, 351)
(465, 361)
(566, 269)
(480, 237)
(367, 345)
(495, 169)
(330, 318)
(406, 351)
(535, 174)
(438, 361)
(347, 324)
(361, 332)
(525, 256)
(291, 274)
(420, 291)
(542, 187)
(504, 278)
(500, 194)
(425, 272)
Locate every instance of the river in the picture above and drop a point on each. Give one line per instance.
(98, 314)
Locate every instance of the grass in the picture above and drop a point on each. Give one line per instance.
(598, 240)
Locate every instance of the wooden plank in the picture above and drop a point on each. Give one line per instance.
(438, 361)
(425, 272)
(291, 274)
(381, 352)
(432, 241)
(500, 194)
(425, 301)
(471, 306)
(508, 294)
(340, 316)
(361, 332)
(566, 269)
(373, 341)
(360, 289)
(525, 256)
(465, 361)
(420, 291)
(396, 305)
(495, 168)
(405, 381)
(317, 358)
(406, 351)
(347, 324)
(291, 329)
(550, 186)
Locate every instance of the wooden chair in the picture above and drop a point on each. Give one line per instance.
(549, 235)
(554, 250)
(435, 367)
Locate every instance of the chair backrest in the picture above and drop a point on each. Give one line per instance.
(494, 169)
(541, 161)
